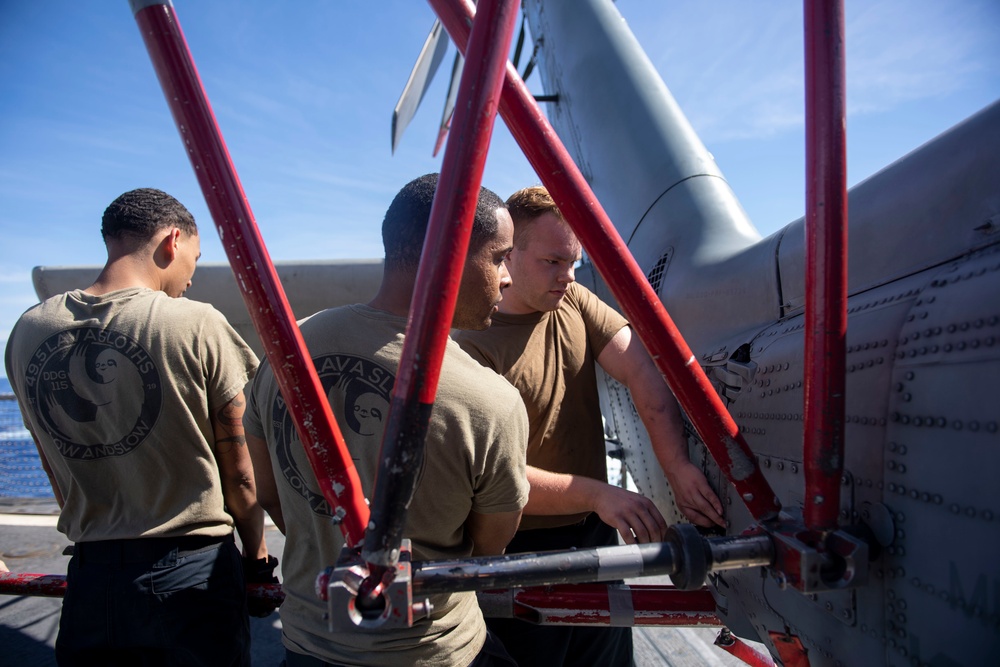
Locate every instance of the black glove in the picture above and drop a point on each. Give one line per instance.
(260, 571)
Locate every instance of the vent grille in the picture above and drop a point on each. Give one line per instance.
(655, 276)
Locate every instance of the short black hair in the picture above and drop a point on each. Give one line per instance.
(405, 224)
(138, 214)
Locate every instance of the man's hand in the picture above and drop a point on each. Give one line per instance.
(260, 571)
(694, 496)
(635, 517)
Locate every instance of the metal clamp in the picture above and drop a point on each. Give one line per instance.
(813, 562)
(339, 587)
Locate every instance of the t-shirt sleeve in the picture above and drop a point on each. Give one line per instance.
(503, 486)
(227, 361)
(602, 321)
(252, 422)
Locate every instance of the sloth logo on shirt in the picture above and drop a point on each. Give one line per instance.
(359, 390)
(96, 392)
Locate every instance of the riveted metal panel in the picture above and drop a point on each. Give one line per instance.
(923, 450)
(942, 453)
(637, 450)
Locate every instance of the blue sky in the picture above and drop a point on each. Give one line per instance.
(304, 92)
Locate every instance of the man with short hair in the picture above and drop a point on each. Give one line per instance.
(472, 485)
(134, 397)
(545, 340)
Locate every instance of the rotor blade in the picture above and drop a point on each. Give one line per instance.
(420, 79)
(520, 44)
(449, 101)
(529, 68)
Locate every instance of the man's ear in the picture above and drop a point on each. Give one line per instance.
(166, 249)
(170, 242)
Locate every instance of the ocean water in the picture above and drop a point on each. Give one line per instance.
(21, 474)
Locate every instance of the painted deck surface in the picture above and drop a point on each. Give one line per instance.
(29, 542)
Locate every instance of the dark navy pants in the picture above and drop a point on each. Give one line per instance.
(555, 645)
(155, 601)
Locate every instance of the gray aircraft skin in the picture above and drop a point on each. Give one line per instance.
(923, 340)
(922, 447)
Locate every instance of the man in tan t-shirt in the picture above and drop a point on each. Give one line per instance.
(549, 333)
(134, 397)
(472, 483)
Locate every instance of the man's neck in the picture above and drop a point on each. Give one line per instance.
(122, 273)
(395, 293)
(511, 305)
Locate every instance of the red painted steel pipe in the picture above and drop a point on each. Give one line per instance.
(438, 279)
(592, 604)
(54, 586)
(39, 585)
(738, 648)
(255, 275)
(611, 256)
(826, 261)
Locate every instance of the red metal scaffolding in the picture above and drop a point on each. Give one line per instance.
(485, 87)
(826, 261)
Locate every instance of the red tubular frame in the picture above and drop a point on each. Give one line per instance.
(54, 586)
(262, 291)
(610, 255)
(590, 604)
(738, 648)
(40, 585)
(439, 278)
(826, 261)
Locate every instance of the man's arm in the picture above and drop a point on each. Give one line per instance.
(626, 360)
(267, 488)
(491, 533)
(635, 517)
(236, 472)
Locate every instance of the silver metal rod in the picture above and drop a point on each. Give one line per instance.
(583, 565)
(543, 569)
(740, 551)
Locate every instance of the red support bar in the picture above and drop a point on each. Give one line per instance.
(602, 604)
(610, 255)
(262, 291)
(826, 261)
(38, 585)
(738, 648)
(438, 279)
(54, 586)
